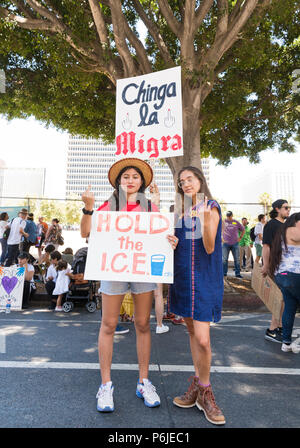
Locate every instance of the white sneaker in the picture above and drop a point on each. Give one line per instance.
(58, 308)
(105, 401)
(162, 329)
(295, 348)
(147, 391)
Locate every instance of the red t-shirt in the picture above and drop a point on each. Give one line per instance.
(130, 207)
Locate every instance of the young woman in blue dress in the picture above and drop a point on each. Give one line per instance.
(197, 292)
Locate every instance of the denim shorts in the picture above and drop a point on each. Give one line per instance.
(113, 288)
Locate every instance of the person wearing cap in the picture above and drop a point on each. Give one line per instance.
(233, 232)
(17, 227)
(129, 178)
(279, 213)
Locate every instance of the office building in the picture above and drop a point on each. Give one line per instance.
(21, 182)
(88, 162)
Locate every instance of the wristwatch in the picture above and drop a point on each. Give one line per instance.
(87, 212)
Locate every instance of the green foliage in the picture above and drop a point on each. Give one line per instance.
(67, 212)
(251, 107)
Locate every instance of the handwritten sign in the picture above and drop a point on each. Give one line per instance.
(11, 286)
(130, 247)
(149, 115)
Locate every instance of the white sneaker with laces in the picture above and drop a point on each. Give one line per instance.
(147, 391)
(162, 329)
(105, 401)
(295, 348)
(58, 308)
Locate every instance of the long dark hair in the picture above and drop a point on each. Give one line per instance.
(118, 199)
(280, 237)
(203, 187)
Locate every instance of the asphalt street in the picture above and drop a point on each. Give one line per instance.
(49, 374)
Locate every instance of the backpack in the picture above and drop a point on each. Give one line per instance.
(7, 231)
(252, 234)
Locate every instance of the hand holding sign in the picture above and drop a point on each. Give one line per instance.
(88, 198)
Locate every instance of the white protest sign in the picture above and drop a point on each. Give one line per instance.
(149, 116)
(130, 247)
(11, 286)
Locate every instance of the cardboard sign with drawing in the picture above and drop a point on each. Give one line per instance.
(11, 287)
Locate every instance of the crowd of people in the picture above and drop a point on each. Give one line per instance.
(21, 233)
(202, 242)
(18, 236)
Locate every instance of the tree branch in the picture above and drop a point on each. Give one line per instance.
(222, 43)
(188, 34)
(44, 12)
(222, 24)
(202, 11)
(120, 38)
(99, 22)
(173, 23)
(24, 9)
(239, 22)
(154, 31)
(24, 22)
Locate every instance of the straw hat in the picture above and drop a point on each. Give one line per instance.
(134, 162)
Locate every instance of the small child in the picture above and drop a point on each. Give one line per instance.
(62, 282)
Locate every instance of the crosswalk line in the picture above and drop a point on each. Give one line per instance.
(153, 367)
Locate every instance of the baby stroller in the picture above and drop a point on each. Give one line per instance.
(80, 289)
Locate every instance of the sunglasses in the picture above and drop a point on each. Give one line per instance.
(287, 207)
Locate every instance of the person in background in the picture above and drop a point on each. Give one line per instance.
(232, 233)
(53, 233)
(45, 260)
(258, 232)
(51, 276)
(279, 213)
(67, 255)
(3, 241)
(62, 283)
(23, 262)
(31, 229)
(42, 228)
(158, 292)
(17, 227)
(285, 266)
(245, 245)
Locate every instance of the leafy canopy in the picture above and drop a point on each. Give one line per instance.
(62, 59)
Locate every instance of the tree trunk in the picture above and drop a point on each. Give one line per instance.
(191, 103)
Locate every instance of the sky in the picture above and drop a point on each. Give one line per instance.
(28, 143)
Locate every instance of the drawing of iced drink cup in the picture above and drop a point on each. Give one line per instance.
(157, 264)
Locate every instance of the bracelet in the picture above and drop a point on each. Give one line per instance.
(87, 212)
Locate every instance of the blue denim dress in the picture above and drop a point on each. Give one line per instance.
(197, 291)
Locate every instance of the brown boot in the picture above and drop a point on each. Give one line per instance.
(188, 399)
(206, 403)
